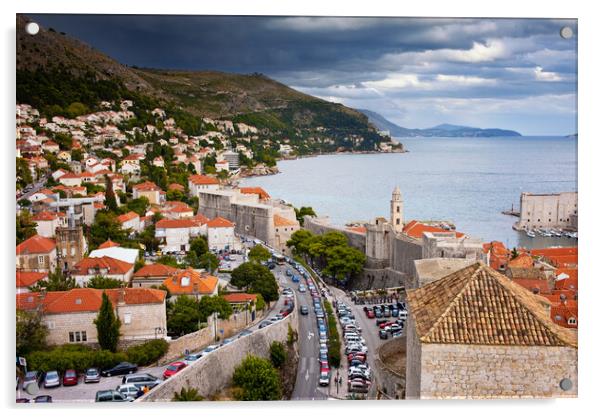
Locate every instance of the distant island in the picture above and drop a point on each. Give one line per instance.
(442, 130)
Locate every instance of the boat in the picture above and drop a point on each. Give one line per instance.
(530, 233)
(546, 233)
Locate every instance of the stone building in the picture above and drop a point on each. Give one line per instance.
(70, 246)
(69, 315)
(548, 210)
(37, 253)
(475, 334)
(152, 274)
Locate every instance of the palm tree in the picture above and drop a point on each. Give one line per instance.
(187, 394)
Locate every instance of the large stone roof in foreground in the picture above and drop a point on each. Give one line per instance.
(477, 305)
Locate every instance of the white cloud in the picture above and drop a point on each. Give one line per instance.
(311, 24)
(395, 81)
(463, 80)
(542, 75)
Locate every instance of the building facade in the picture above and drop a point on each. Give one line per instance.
(548, 210)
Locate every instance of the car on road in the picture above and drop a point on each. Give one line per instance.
(228, 340)
(122, 368)
(193, 357)
(302, 288)
(43, 399)
(244, 333)
(324, 378)
(323, 357)
(264, 324)
(91, 375)
(130, 391)
(323, 348)
(70, 378)
(304, 310)
(324, 366)
(296, 278)
(320, 314)
(32, 377)
(210, 349)
(52, 379)
(383, 334)
(111, 395)
(173, 368)
(141, 380)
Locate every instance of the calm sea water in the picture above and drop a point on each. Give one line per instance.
(468, 181)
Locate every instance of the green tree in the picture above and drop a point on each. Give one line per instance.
(257, 380)
(187, 394)
(299, 241)
(107, 325)
(199, 246)
(76, 109)
(209, 261)
(102, 283)
(110, 200)
(260, 303)
(23, 173)
(168, 260)
(259, 253)
(277, 354)
(138, 205)
(105, 227)
(304, 211)
(57, 281)
(26, 227)
(31, 332)
(344, 261)
(183, 316)
(214, 304)
(256, 278)
(175, 195)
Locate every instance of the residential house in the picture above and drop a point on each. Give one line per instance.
(130, 220)
(71, 180)
(175, 234)
(37, 253)
(150, 190)
(243, 302)
(50, 146)
(107, 267)
(191, 283)
(220, 234)
(113, 250)
(198, 183)
(152, 274)
(69, 315)
(48, 221)
(222, 165)
(26, 279)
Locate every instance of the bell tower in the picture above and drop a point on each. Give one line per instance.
(397, 210)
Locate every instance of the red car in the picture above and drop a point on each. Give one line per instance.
(70, 377)
(389, 323)
(370, 314)
(359, 356)
(324, 367)
(173, 369)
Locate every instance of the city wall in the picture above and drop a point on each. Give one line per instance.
(212, 373)
(405, 250)
(391, 381)
(321, 225)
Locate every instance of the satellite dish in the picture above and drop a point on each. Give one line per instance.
(32, 388)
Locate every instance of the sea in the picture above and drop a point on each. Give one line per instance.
(468, 181)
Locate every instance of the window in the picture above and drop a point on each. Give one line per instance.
(71, 337)
(84, 336)
(40, 259)
(127, 318)
(572, 321)
(75, 337)
(50, 325)
(397, 221)
(398, 209)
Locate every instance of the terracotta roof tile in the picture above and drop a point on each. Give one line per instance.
(147, 186)
(127, 217)
(108, 244)
(155, 270)
(175, 224)
(197, 283)
(477, 305)
(45, 216)
(202, 180)
(220, 222)
(416, 229)
(239, 297)
(36, 244)
(523, 260)
(27, 279)
(283, 221)
(263, 194)
(114, 266)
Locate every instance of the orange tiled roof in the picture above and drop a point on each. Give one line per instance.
(562, 312)
(175, 224)
(27, 279)
(358, 229)
(255, 190)
(155, 270)
(220, 222)
(478, 305)
(415, 229)
(147, 186)
(86, 299)
(36, 244)
(127, 217)
(239, 297)
(523, 260)
(175, 186)
(536, 286)
(283, 221)
(45, 216)
(202, 180)
(200, 219)
(108, 244)
(114, 266)
(196, 283)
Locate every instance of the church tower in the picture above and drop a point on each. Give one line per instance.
(397, 210)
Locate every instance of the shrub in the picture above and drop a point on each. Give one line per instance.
(148, 352)
(257, 379)
(277, 354)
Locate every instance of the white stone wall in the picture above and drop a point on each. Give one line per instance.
(220, 237)
(46, 228)
(480, 371)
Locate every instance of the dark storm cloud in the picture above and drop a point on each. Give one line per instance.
(363, 62)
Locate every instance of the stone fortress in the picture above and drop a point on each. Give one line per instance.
(391, 252)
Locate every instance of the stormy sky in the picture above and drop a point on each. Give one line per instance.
(515, 74)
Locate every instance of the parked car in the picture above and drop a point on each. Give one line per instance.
(193, 357)
(383, 334)
(111, 396)
(370, 314)
(70, 378)
(244, 333)
(43, 399)
(141, 380)
(358, 385)
(228, 340)
(264, 324)
(52, 379)
(304, 310)
(32, 377)
(173, 368)
(22, 400)
(122, 368)
(210, 349)
(324, 378)
(91, 375)
(131, 391)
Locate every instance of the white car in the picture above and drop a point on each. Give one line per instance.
(193, 357)
(324, 379)
(130, 391)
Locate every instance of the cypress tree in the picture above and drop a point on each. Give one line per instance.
(107, 325)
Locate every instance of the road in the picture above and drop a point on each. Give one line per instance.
(308, 370)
